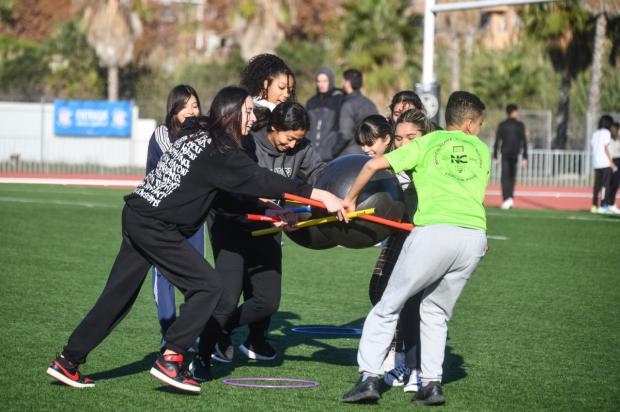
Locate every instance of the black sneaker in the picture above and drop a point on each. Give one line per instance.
(431, 394)
(170, 370)
(366, 390)
(223, 351)
(258, 349)
(67, 372)
(200, 369)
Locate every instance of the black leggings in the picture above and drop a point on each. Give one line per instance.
(509, 176)
(407, 335)
(614, 183)
(601, 180)
(149, 242)
(252, 265)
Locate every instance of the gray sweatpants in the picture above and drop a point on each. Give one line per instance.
(438, 259)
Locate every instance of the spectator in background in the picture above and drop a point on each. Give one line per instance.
(324, 109)
(602, 163)
(355, 108)
(510, 138)
(403, 101)
(614, 151)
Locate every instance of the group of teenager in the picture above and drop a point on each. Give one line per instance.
(255, 144)
(606, 165)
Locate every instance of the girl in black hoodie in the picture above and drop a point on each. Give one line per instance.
(163, 211)
(254, 264)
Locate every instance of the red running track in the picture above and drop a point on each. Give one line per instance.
(526, 197)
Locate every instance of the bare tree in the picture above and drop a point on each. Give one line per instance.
(112, 28)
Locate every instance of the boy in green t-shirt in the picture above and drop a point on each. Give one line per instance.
(451, 170)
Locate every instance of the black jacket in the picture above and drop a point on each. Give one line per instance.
(355, 108)
(510, 136)
(180, 191)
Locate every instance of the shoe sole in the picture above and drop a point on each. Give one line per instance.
(363, 398)
(253, 355)
(164, 378)
(433, 400)
(63, 379)
(410, 388)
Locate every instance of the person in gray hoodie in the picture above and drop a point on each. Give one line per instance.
(324, 111)
(253, 265)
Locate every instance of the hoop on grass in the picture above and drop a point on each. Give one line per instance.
(299, 383)
(327, 330)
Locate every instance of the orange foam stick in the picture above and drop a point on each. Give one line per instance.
(262, 218)
(376, 219)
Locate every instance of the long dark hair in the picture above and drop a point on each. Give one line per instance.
(224, 122)
(289, 116)
(372, 128)
(177, 98)
(406, 96)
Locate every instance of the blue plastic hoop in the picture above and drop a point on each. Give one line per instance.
(327, 330)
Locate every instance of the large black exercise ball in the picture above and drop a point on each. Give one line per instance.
(383, 193)
(310, 237)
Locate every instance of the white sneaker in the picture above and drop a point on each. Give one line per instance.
(604, 210)
(397, 376)
(507, 204)
(614, 209)
(414, 382)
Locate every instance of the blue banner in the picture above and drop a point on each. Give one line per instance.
(92, 118)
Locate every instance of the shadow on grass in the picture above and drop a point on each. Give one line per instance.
(126, 370)
(325, 352)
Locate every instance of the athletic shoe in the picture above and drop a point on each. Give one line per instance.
(200, 369)
(397, 376)
(366, 390)
(258, 350)
(431, 394)
(170, 370)
(67, 372)
(604, 210)
(594, 209)
(413, 383)
(223, 350)
(614, 209)
(507, 204)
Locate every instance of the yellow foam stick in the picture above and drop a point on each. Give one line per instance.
(314, 222)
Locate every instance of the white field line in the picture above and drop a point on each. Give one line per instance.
(58, 202)
(497, 237)
(543, 194)
(78, 182)
(600, 219)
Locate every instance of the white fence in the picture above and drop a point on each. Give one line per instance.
(28, 144)
(568, 168)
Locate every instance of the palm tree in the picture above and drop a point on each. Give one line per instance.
(112, 28)
(602, 11)
(566, 30)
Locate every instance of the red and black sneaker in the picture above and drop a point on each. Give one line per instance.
(170, 370)
(67, 372)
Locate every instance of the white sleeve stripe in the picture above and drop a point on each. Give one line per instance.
(161, 136)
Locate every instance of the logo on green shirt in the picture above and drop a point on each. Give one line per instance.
(458, 159)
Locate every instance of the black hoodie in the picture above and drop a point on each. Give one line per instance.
(324, 111)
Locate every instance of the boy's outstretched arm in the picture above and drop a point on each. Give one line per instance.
(368, 171)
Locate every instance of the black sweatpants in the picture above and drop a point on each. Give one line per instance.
(614, 183)
(509, 176)
(252, 265)
(602, 177)
(407, 334)
(150, 242)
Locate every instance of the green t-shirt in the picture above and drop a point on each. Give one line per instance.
(451, 170)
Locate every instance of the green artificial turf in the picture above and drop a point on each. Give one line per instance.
(537, 327)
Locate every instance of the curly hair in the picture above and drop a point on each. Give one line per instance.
(265, 67)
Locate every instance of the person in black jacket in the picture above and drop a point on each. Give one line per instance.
(355, 108)
(324, 110)
(254, 264)
(163, 211)
(510, 138)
